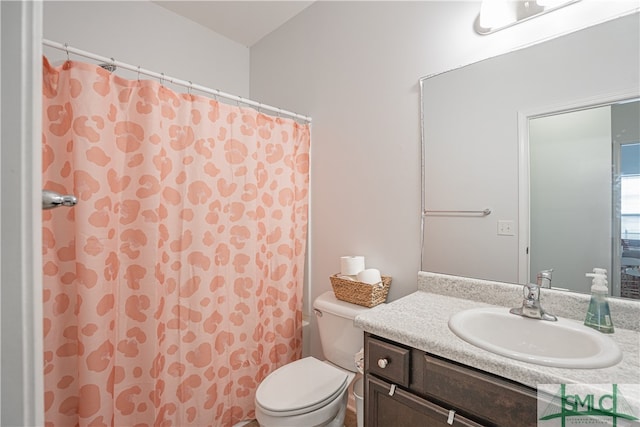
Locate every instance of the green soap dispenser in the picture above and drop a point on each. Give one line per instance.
(598, 315)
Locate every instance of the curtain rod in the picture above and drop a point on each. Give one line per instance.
(162, 77)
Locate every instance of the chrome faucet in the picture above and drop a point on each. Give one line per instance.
(531, 306)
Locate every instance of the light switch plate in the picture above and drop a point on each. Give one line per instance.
(506, 228)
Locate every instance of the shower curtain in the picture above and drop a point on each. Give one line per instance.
(174, 286)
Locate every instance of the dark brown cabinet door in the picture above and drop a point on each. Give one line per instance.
(489, 398)
(403, 409)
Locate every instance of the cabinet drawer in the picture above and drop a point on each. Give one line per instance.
(389, 361)
(490, 398)
(405, 409)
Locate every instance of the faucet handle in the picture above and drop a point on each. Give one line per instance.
(531, 292)
(531, 306)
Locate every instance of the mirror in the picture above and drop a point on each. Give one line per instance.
(476, 125)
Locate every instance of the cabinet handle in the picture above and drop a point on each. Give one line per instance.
(382, 363)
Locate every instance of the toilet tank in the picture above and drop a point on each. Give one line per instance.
(340, 339)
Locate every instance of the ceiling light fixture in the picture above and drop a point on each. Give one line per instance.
(496, 15)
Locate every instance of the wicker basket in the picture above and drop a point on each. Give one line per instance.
(360, 293)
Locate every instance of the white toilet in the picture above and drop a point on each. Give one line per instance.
(310, 392)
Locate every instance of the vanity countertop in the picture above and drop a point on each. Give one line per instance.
(420, 320)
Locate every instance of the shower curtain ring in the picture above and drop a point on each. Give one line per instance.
(162, 79)
(66, 49)
(189, 87)
(111, 67)
(138, 73)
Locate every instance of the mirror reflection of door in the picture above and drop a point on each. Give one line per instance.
(585, 196)
(625, 125)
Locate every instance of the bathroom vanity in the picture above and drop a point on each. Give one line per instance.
(418, 372)
(409, 387)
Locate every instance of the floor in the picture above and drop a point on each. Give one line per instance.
(349, 420)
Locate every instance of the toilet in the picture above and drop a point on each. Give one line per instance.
(311, 392)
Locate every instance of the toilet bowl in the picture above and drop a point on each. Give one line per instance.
(310, 392)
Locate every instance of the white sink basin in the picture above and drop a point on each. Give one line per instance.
(562, 344)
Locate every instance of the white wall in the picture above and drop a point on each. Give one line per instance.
(354, 67)
(145, 34)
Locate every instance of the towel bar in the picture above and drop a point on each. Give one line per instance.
(483, 212)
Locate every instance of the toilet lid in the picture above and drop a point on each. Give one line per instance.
(301, 386)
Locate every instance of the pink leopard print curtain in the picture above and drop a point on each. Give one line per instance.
(175, 285)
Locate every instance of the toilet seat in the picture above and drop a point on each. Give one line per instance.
(300, 387)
